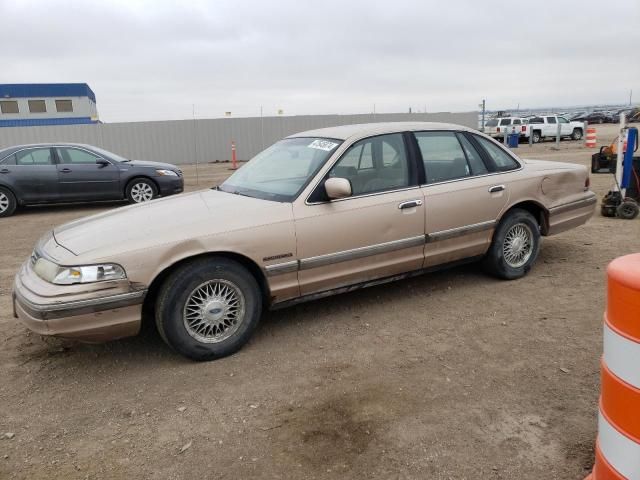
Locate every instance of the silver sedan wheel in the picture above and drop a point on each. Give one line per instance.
(141, 192)
(214, 311)
(4, 202)
(518, 245)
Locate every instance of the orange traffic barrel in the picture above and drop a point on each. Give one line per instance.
(618, 443)
(590, 139)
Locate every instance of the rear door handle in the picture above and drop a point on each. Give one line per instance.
(496, 188)
(5, 170)
(66, 170)
(410, 204)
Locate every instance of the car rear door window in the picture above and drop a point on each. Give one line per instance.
(517, 121)
(536, 120)
(551, 120)
(10, 160)
(502, 160)
(442, 156)
(76, 156)
(505, 121)
(375, 164)
(34, 156)
(473, 157)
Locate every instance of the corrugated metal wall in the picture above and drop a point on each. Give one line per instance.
(184, 141)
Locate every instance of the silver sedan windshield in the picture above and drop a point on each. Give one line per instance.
(281, 171)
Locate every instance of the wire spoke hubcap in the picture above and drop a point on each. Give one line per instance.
(214, 311)
(518, 245)
(141, 192)
(4, 202)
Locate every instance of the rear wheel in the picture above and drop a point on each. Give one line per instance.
(515, 246)
(577, 134)
(537, 136)
(8, 202)
(208, 308)
(141, 190)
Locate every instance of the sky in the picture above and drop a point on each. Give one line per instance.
(161, 60)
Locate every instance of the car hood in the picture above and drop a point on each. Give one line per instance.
(145, 163)
(168, 221)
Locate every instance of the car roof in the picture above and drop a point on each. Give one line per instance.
(49, 144)
(344, 132)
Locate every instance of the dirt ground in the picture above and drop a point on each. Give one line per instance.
(452, 375)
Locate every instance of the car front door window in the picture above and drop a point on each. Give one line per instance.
(74, 156)
(375, 164)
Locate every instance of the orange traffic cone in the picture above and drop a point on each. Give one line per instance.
(618, 443)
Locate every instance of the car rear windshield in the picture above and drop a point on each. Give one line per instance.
(491, 123)
(281, 171)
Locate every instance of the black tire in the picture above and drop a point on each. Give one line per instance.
(179, 288)
(628, 209)
(8, 203)
(577, 134)
(537, 136)
(141, 190)
(495, 262)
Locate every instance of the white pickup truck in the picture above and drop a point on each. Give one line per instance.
(547, 126)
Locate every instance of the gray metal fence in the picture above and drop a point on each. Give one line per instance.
(188, 141)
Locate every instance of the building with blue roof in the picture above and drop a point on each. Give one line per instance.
(35, 104)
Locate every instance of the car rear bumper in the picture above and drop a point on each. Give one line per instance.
(169, 185)
(571, 215)
(95, 317)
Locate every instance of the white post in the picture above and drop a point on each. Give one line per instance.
(620, 156)
(558, 132)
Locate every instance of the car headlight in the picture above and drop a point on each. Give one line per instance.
(167, 173)
(59, 275)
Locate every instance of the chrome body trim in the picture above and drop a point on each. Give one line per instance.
(460, 231)
(280, 268)
(79, 307)
(585, 202)
(356, 253)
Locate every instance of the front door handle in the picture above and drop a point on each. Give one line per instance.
(66, 170)
(410, 204)
(5, 170)
(496, 188)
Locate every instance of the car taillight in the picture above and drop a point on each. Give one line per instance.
(498, 129)
(524, 128)
(587, 183)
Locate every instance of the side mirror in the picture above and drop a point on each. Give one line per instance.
(337, 187)
(101, 162)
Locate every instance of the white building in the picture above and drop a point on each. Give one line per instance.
(33, 104)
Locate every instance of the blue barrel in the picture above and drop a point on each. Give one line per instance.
(513, 139)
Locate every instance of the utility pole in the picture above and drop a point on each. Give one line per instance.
(630, 96)
(483, 105)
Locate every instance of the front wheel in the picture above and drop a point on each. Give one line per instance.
(208, 308)
(515, 246)
(141, 190)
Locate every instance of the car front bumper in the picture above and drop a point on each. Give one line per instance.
(169, 185)
(91, 316)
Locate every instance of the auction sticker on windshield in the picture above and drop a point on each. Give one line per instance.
(325, 145)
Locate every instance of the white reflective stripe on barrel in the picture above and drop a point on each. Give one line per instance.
(622, 357)
(621, 452)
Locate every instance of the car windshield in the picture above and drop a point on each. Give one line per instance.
(281, 171)
(111, 155)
